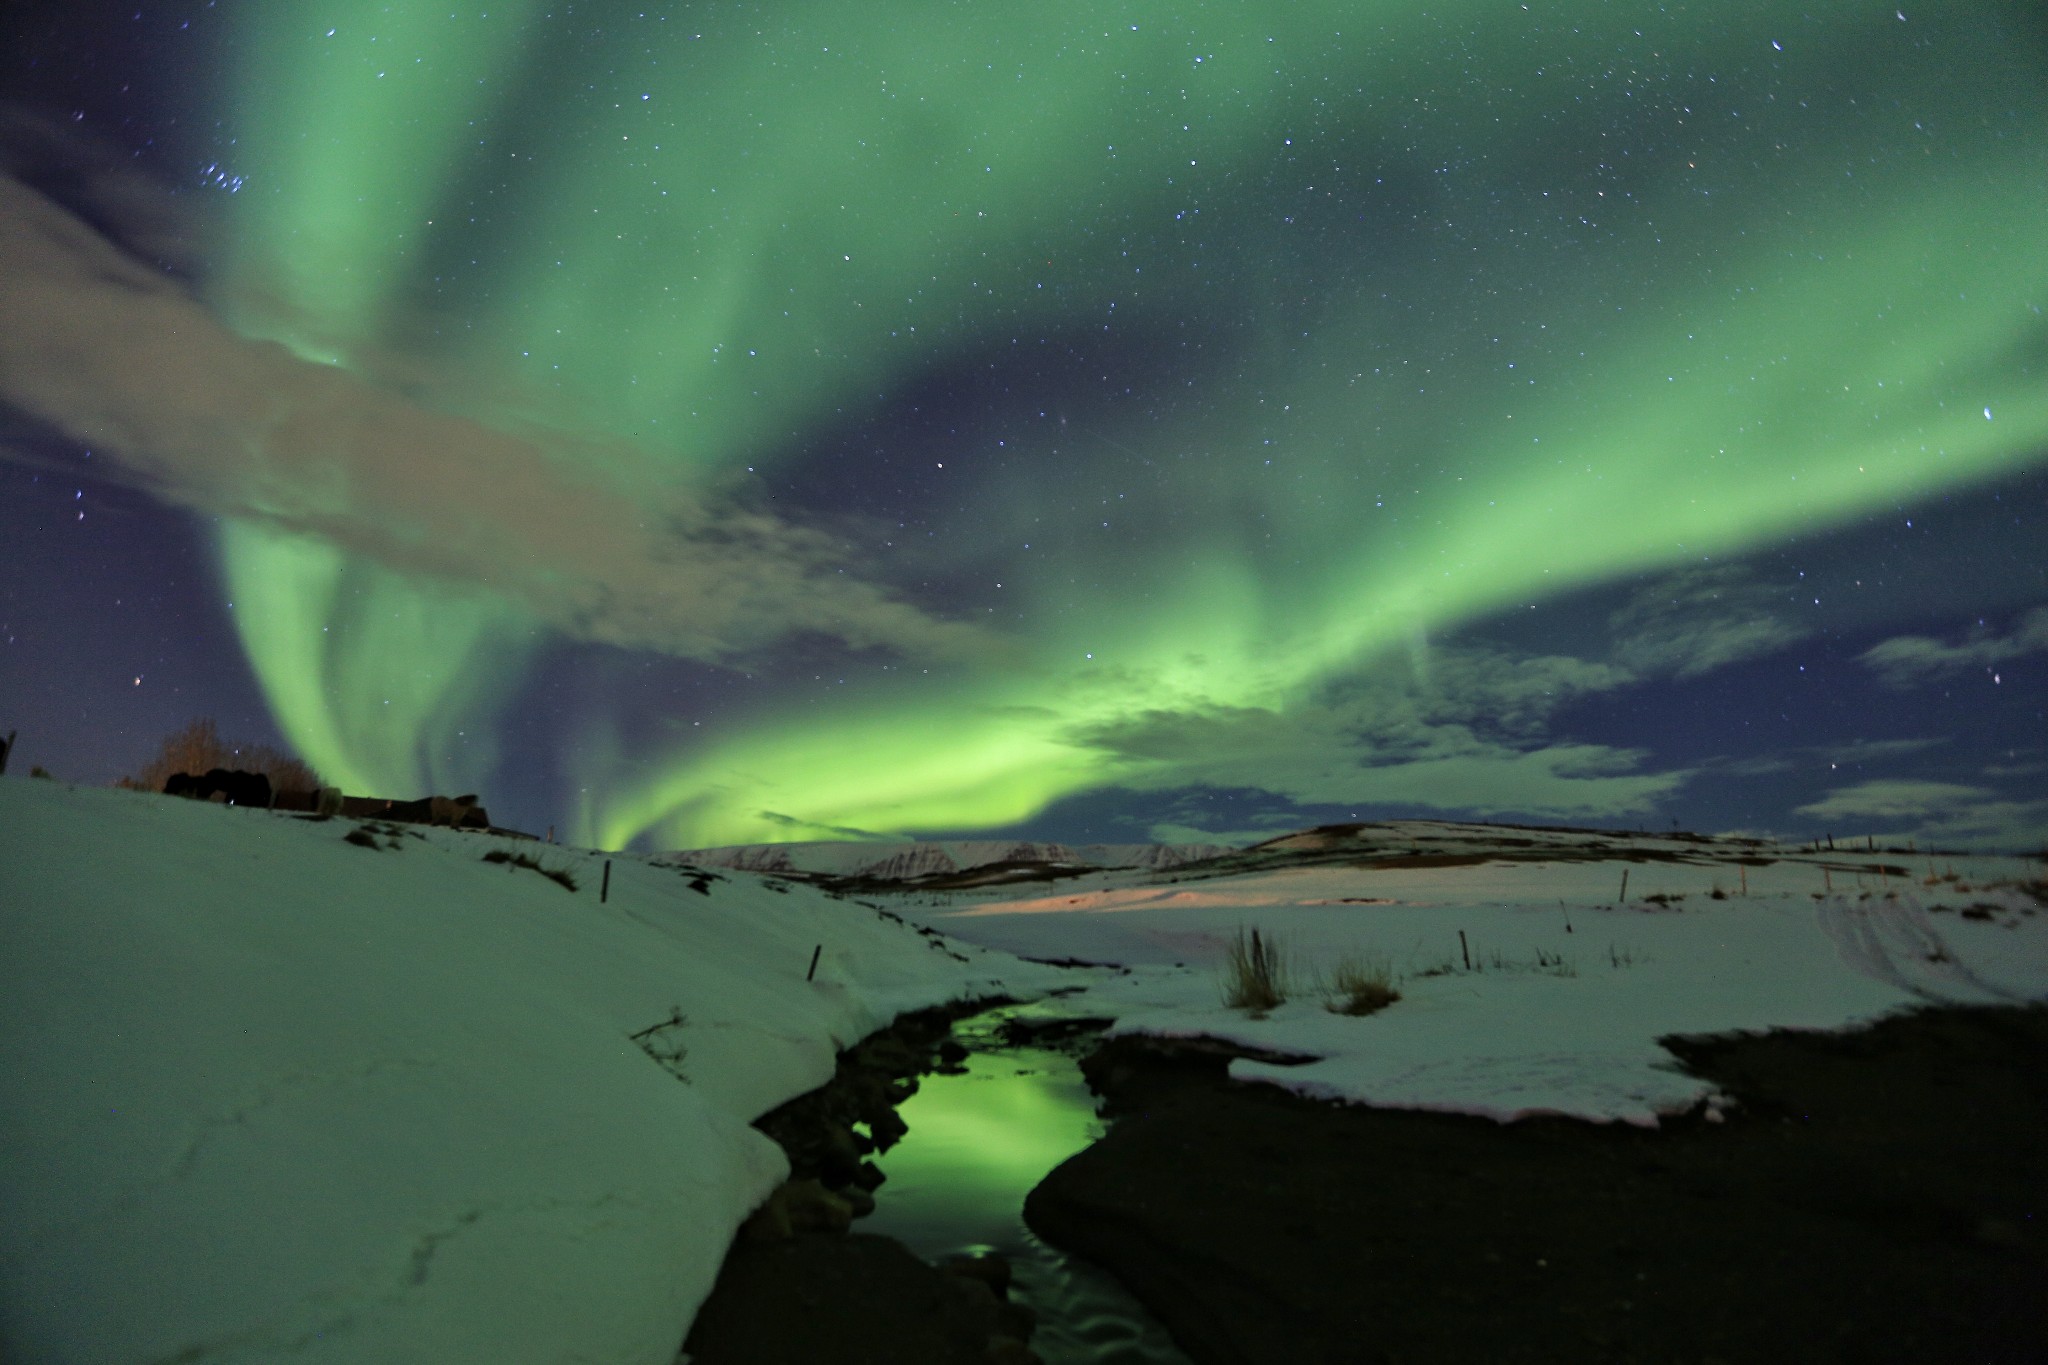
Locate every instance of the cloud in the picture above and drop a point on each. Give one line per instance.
(119, 355)
(102, 186)
(1693, 622)
(1473, 739)
(1908, 660)
(1894, 799)
(1877, 750)
(813, 830)
(1940, 813)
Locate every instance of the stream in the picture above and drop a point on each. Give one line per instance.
(977, 1144)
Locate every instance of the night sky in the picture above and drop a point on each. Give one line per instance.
(1100, 422)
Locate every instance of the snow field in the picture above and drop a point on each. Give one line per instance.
(1550, 1020)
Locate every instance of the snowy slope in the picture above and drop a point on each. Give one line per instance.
(267, 1092)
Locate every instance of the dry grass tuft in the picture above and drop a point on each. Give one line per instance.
(1363, 983)
(561, 876)
(1254, 973)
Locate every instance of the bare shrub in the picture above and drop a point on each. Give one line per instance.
(1254, 973)
(561, 876)
(198, 749)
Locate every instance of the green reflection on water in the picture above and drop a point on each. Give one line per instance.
(977, 1145)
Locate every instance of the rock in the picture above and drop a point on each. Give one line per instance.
(853, 1300)
(891, 1055)
(887, 1130)
(838, 1157)
(1010, 1351)
(798, 1206)
(989, 1268)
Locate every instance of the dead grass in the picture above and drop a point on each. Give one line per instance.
(1360, 984)
(1255, 975)
(561, 876)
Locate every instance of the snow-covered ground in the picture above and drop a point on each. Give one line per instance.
(1568, 985)
(268, 1092)
(920, 857)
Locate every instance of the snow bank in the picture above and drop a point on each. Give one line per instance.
(270, 1092)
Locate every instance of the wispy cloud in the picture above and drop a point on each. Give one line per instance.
(116, 353)
(1473, 739)
(1693, 622)
(1878, 750)
(1942, 813)
(1895, 799)
(1910, 660)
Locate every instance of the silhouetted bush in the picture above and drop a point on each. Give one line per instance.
(198, 748)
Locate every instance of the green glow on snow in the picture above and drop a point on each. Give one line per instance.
(1502, 303)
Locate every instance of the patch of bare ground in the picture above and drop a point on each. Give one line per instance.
(1874, 1196)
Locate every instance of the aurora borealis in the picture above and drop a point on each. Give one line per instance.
(801, 420)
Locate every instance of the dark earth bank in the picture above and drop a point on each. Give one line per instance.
(1874, 1196)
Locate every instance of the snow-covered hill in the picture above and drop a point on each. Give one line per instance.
(269, 1093)
(908, 859)
(275, 1087)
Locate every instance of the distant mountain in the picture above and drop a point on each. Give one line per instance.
(913, 858)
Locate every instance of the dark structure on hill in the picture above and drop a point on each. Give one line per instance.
(231, 785)
(253, 789)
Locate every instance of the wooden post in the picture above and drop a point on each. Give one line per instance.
(813, 969)
(1745, 878)
(1466, 951)
(1624, 887)
(604, 891)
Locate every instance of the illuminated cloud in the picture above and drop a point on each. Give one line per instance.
(1693, 622)
(1948, 814)
(1913, 660)
(120, 356)
(1895, 799)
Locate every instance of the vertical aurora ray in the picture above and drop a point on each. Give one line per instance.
(1492, 305)
(381, 683)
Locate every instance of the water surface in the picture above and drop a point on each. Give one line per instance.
(977, 1145)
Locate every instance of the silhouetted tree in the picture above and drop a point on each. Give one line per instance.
(198, 748)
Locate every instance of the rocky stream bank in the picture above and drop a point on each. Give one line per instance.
(1871, 1196)
(800, 1286)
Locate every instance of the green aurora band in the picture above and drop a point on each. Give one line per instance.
(1488, 303)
